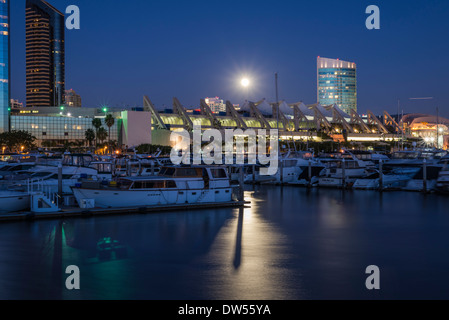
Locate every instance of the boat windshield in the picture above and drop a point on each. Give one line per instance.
(153, 184)
(181, 172)
(348, 164)
(405, 155)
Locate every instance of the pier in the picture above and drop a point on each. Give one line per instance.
(71, 212)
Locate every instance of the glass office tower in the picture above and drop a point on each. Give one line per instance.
(337, 83)
(4, 66)
(45, 55)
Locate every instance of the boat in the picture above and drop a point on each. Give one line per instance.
(417, 182)
(390, 181)
(26, 195)
(342, 173)
(414, 158)
(310, 174)
(14, 201)
(174, 185)
(371, 158)
(442, 185)
(290, 166)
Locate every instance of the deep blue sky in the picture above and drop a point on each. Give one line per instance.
(193, 49)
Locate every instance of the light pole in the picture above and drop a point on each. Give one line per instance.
(277, 99)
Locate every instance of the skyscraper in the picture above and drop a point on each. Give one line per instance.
(45, 55)
(5, 89)
(72, 99)
(216, 104)
(337, 83)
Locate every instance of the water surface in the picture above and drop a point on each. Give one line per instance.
(289, 244)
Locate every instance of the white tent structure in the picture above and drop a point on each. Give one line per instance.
(327, 113)
(341, 112)
(286, 109)
(308, 112)
(245, 107)
(265, 108)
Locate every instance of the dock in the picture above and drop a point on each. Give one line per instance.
(71, 212)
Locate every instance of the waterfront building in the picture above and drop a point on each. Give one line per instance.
(337, 83)
(45, 55)
(151, 124)
(216, 104)
(72, 99)
(432, 129)
(5, 79)
(69, 124)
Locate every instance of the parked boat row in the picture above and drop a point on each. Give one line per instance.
(88, 181)
(417, 170)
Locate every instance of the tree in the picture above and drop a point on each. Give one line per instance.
(110, 121)
(17, 140)
(96, 122)
(90, 136)
(102, 134)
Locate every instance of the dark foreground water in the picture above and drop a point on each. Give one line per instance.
(291, 244)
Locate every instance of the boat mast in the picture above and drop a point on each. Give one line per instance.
(438, 130)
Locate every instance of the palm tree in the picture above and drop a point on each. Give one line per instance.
(96, 122)
(110, 121)
(90, 136)
(102, 134)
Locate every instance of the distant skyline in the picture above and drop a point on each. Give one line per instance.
(197, 49)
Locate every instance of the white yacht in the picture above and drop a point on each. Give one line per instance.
(342, 172)
(174, 185)
(14, 201)
(290, 167)
(417, 182)
(390, 181)
(414, 158)
(442, 185)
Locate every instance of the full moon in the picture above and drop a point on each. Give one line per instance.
(245, 82)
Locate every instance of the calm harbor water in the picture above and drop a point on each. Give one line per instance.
(290, 244)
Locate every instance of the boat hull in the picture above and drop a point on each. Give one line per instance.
(142, 198)
(14, 202)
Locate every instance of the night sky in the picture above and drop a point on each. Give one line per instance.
(195, 49)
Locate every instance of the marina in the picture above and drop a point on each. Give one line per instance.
(228, 154)
(86, 184)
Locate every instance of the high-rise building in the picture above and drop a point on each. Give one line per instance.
(45, 55)
(15, 104)
(216, 104)
(72, 99)
(5, 90)
(337, 83)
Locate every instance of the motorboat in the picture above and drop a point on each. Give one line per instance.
(14, 201)
(414, 158)
(310, 175)
(442, 185)
(417, 183)
(389, 181)
(290, 166)
(342, 172)
(11, 169)
(370, 158)
(174, 185)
